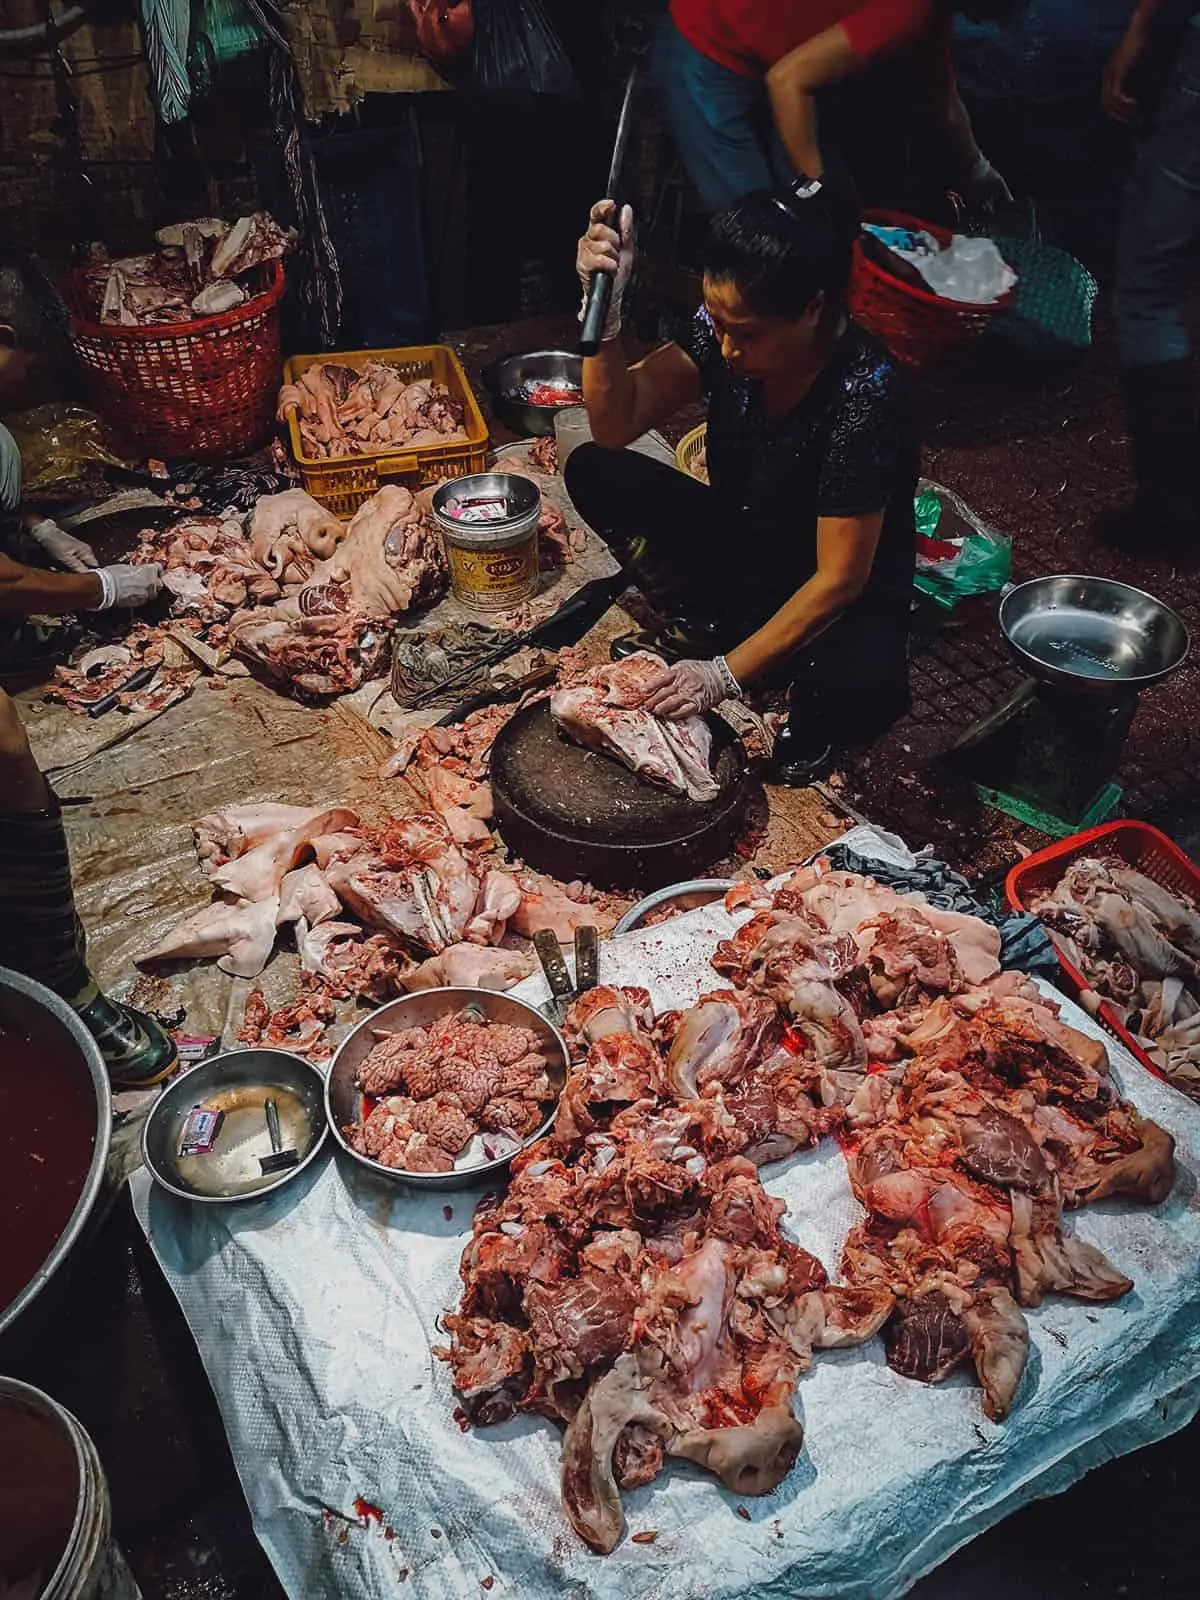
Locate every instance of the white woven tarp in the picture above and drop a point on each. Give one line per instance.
(315, 1310)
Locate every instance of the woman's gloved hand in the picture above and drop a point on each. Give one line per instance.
(63, 547)
(128, 586)
(690, 688)
(609, 245)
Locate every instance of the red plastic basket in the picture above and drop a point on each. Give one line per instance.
(1137, 843)
(194, 389)
(920, 328)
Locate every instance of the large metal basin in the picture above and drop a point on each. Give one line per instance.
(31, 1006)
(1092, 636)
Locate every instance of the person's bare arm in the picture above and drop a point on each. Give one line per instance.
(1118, 103)
(623, 402)
(792, 85)
(846, 549)
(27, 591)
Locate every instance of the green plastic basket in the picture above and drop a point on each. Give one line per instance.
(1051, 311)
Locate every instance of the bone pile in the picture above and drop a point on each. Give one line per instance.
(343, 412)
(989, 1118)
(635, 1284)
(461, 1087)
(1138, 945)
(195, 272)
(600, 707)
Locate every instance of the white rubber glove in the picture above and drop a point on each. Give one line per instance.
(608, 246)
(128, 586)
(63, 547)
(690, 688)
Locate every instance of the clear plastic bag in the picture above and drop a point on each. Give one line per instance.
(517, 54)
(57, 442)
(971, 270)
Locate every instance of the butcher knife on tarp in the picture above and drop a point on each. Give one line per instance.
(599, 295)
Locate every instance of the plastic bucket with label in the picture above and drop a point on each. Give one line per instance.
(489, 526)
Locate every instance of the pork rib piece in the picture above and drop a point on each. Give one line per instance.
(601, 708)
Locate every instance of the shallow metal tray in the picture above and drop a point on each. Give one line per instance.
(239, 1082)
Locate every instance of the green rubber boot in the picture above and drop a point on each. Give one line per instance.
(137, 1050)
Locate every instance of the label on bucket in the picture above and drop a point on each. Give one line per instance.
(494, 577)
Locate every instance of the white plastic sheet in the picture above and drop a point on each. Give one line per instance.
(315, 1310)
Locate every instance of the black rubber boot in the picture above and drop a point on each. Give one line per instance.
(42, 937)
(1161, 416)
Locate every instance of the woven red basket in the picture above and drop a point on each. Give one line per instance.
(194, 389)
(920, 328)
(1138, 844)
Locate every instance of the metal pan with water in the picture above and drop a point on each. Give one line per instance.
(1092, 636)
(236, 1085)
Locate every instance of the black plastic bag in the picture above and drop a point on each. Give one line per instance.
(517, 54)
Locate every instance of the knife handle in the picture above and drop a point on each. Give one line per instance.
(595, 313)
(587, 958)
(553, 965)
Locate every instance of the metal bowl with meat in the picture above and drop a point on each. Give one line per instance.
(526, 391)
(442, 1088)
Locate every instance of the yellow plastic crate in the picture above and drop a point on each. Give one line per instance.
(342, 483)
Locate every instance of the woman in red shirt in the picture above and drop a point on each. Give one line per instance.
(740, 79)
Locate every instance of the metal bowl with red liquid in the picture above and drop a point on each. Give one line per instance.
(527, 390)
(55, 1123)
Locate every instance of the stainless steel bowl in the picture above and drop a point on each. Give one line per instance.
(343, 1098)
(1092, 635)
(239, 1083)
(678, 897)
(505, 376)
(44, 1015)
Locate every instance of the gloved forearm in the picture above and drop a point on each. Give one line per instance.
(28, 591)
(128, 586)
(691, 688)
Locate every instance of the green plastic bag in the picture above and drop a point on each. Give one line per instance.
(958, 554)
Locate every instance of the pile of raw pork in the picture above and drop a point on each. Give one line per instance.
(426, 912)
(198, 270)
(291, 588)
(635, 1284)
(343, 412)
(1138, 945)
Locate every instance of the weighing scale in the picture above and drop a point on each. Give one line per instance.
(1049, 754)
